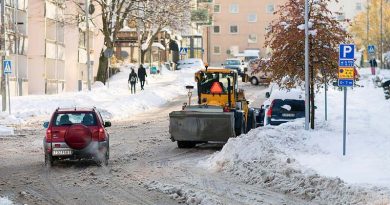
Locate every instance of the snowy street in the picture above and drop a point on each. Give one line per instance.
(269, 165)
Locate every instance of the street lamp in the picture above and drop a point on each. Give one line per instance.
(306, 65)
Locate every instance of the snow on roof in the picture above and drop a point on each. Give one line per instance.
(159, 45)
(293, 94)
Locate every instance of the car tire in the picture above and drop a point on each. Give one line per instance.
(254, 81)
(49, 160)
(185, 144)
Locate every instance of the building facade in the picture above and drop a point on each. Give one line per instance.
(238, 26)
(16, 40)
(57, 50)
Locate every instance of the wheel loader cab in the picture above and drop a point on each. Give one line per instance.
(217, 87)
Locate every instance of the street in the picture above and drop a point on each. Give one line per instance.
(143, 160)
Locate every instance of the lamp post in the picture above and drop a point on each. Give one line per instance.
(381, 30)
(306, 66)
(3, 44)
(87, 44)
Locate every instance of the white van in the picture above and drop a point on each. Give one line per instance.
(255, 74)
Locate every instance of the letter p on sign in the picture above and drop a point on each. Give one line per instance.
(347, 51)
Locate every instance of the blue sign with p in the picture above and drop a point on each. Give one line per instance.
(347, 51)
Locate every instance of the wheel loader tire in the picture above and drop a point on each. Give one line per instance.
(241, 130)
(185, 144)
(251, 120)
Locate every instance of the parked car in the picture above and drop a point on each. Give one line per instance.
(76, 133)
(190, 63)
(235, 64)
(283, 106)
(256, 73)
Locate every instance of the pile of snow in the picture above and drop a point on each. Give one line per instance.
(114, 101)
(182, 194)
(309, 164)
(5, 201)
(6, 131)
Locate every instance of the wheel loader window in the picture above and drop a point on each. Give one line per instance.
(210, 81)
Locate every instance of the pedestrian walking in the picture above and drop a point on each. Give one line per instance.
(141, 75)
(133, 79)
(373, 65)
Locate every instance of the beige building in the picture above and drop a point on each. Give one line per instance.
(57, 48)
(238, 26)
(16, 39)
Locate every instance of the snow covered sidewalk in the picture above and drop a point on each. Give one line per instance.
(115, 102)
(309, 164)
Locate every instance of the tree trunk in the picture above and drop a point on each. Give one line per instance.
(143, 56)
(312, 108)
(102, 70)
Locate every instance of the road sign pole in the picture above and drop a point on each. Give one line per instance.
(9, 95)
(326, 99)
(345, 122)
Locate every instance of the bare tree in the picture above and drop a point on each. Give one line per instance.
(162, 14)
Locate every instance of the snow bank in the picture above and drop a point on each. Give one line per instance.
(182, 194)
(309, 164)
(6, 131)
(5, 201)
(115, 102)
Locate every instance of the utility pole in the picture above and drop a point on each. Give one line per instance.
(3, 39)
(381, 30)
(87, 44)
(307, 83)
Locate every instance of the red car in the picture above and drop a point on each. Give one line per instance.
(76, 133)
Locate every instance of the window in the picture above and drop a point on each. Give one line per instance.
(270, 9)
(233, 8)
(252, 17)
(67, 119)
(216, 29)
(233, 29)
(358, 6)
(217, 8)
(217, 50)
(341, 17)
(252, 38)
(215, 83)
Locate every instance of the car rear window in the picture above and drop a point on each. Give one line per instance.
(66, 119)
(288, 105)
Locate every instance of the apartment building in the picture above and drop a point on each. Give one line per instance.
(57, 52)
(16, 39)
(237, 26)
(348, 9)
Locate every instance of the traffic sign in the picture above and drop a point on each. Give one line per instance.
(346, 63)
(346, 73)
(7, 66)
(345, 82)
(183, 51)
(346, 51)
(371, 49)
(108, 53)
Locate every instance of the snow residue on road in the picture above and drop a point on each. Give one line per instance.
(5, 201)
(183, 194)
(309, 164)
(115, 102)
(6, 131)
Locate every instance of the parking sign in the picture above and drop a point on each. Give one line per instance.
(347, 51)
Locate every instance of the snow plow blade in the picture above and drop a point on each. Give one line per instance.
(201, 126)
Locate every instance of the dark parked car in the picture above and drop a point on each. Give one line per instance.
(284, 110)
(77, 133)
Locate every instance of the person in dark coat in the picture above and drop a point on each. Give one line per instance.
(141, 75)
(133, 79)
(373, 65)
